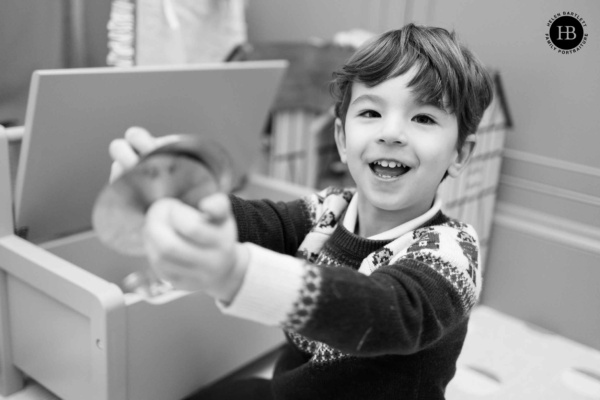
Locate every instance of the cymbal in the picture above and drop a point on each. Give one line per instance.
(188, 168)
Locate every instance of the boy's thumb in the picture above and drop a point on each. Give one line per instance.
(216, 207)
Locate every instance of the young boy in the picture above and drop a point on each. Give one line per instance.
(376, 302)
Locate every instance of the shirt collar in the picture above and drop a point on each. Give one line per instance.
(352, 214)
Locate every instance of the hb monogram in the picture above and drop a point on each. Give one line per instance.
(568, 31)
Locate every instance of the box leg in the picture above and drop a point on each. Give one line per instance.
(11, 379)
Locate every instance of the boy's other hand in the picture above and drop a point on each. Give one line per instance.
(196, 249)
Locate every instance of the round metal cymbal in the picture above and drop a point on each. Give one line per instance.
(189, 168)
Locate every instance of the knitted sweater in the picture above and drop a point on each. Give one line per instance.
(364, 318)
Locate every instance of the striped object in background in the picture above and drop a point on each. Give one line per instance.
(471, 197)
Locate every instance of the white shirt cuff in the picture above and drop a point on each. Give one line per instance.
(270, 288)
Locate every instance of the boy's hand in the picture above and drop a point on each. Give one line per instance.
(126, 152)
(196, 249)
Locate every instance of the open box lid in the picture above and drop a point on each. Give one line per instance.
(73, 115)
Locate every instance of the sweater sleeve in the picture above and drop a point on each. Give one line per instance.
(398, 309)
(278, 226)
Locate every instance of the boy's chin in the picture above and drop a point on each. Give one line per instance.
(391, 205)
(398, 204)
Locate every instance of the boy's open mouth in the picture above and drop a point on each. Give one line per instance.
(388, 169)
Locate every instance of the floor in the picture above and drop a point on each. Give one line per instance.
(503, 358)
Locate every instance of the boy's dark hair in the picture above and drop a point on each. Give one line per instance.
(448, 74)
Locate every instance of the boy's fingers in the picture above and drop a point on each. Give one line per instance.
(123, 153)
(126, 152)
(187, 222)
(164, 245)
(140, 139)
(160, 223)
(144, 142)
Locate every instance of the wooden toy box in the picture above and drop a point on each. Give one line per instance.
(67, 323)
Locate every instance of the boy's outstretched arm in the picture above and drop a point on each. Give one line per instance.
(399, 309)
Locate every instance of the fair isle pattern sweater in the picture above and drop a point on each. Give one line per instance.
(364, 318)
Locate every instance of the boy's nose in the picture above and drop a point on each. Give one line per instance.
(393, 132)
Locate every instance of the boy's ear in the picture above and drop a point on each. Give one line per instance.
(340, 139)
(463, 155)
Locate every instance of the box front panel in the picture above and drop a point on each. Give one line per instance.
(51, 342)
(177, 344)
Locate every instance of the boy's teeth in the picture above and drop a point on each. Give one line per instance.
(390, 164)
(389, 169)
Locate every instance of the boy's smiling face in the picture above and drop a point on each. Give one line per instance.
(397, 150)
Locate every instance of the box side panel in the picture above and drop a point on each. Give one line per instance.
(66, 325)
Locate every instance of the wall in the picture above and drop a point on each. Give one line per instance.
(544, 261)
(26, 44)
(38, 34)
(288, 20)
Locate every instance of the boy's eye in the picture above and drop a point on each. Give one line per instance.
(369, 114)
(423, 119)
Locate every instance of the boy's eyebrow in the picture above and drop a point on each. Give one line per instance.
(432, 104)
(378, 100)
(367, 97)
